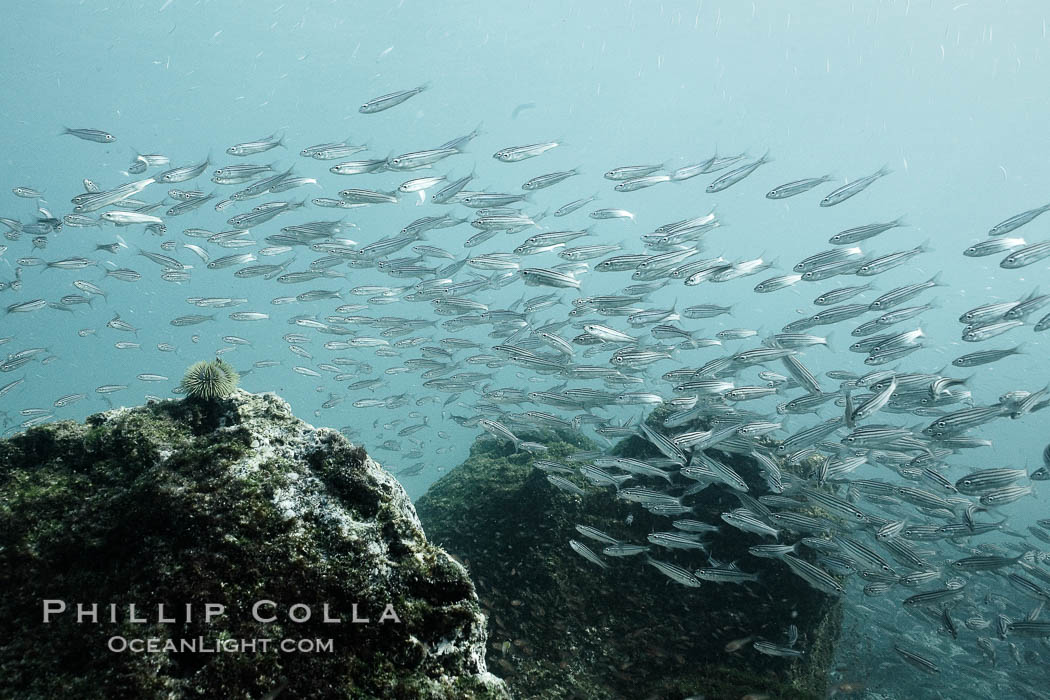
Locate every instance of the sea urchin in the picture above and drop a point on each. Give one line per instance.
(210, 380)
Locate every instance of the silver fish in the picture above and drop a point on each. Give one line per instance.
(856, 187)
(392, 99)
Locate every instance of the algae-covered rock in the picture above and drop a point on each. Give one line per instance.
(562, 627)
(231, 502)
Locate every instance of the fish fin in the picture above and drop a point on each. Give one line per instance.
(850, 421)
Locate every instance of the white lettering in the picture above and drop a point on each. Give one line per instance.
(389, 614)
(213, 610)
(53, 607)
(299, 606)
(259, 604)
(83, 612)
(131, 615)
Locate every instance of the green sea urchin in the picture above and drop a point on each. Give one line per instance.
(210, 380)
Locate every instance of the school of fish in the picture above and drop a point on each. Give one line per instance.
(860, 500)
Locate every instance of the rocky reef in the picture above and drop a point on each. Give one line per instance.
(561, 627)
(226, 502)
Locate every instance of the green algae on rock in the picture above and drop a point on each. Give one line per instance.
(560, 627)
(231, 501)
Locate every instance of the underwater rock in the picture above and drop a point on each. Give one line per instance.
(561, 627)
(231, 502)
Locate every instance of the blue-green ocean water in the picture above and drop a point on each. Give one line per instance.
(949, 95)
